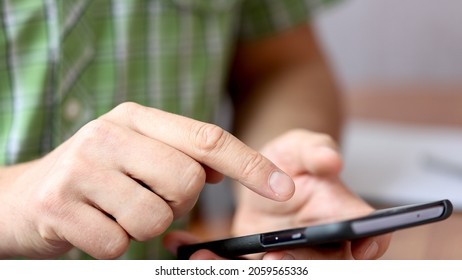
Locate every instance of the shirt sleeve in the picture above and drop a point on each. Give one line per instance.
(261, 18)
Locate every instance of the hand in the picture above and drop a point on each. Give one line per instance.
(124, 176)
(314, 163)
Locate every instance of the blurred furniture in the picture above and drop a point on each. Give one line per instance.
(436, 241)
(420, 106)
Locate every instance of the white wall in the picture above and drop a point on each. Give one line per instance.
(394, 41)
(379, 42)
(398, 42)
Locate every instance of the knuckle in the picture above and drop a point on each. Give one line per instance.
(53, 201)
(209, 138)
(51, 207)
(184, 192)
(95, 132)
(185, 198)
(129, 112)
(156, 219)
(97, 137)
(115, 247)
(55, 198)
(251, 164)
(195, 179)
(125, 109)
(161, 222)
(179, 210)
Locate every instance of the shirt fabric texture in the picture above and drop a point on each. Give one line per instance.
(66, 62)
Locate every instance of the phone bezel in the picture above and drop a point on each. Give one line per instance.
(416, 214)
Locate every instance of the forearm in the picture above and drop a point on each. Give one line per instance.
(303, 97)
(8, 219)
(294, 89)
(283, 82)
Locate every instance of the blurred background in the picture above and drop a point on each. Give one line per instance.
(399, 65)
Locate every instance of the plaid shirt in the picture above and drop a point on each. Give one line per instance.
(66, 62)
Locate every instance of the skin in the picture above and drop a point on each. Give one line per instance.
(320, 197)
(76, 196)
(288, 107)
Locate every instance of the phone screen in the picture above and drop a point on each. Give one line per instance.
(382, 223)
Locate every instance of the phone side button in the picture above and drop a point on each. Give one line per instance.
(282, 237)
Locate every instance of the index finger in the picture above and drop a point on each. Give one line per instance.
(210, 145)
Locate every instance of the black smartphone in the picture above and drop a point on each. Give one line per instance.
(378, 222)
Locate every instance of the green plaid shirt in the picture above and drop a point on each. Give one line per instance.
(66, 62)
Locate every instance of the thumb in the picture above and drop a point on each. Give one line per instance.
(301, 151)
(370, 248)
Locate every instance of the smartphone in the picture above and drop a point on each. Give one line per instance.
(378, 222)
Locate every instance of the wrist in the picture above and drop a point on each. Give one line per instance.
(10, 217)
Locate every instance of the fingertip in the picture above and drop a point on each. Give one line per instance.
(205, 255)
(371, 251)
(282, 255)
(282, 185)
(370, 248)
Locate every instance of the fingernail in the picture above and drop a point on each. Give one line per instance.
(371, 251)
(281, 184)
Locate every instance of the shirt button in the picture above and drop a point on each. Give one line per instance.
(72, 109)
